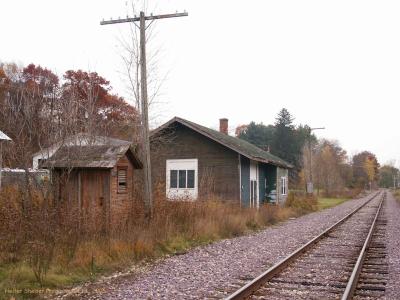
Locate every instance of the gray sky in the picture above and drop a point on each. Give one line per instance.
(331, 63)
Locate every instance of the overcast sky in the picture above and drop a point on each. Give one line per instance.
(330, 63)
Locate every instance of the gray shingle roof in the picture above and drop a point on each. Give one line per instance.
(241, 146)
(100, 156)
(82, 139)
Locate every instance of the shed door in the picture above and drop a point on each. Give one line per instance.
(95, 198)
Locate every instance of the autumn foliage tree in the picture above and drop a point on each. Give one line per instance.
(96, 105)
(27, 96)
(39, 108)
(365, 169)
(330, 167)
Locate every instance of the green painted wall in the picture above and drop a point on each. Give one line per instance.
(269, 173)
(261, 182)
(245, 180)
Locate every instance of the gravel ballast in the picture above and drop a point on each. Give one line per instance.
(215, 270)
(393, 246)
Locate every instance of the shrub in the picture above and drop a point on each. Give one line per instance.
(397, 194)
(303, 204)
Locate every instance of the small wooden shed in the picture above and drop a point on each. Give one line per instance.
(98, 180)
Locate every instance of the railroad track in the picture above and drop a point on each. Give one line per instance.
(346, 261)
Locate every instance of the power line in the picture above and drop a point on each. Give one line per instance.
(148, 197)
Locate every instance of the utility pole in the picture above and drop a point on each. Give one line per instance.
(148, 197)
(310, 186)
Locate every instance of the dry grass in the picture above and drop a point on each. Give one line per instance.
(41, 247)
(324, 203)
(396, 194)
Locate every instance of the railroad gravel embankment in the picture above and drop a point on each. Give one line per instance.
(215, 270)
(393, 247)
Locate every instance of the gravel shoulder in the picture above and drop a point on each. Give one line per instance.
(393, 246)
(215, 270)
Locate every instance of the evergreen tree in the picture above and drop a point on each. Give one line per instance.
(258, 134)
(284, 138)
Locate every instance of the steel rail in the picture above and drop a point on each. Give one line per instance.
(352, 283)
(255, 284)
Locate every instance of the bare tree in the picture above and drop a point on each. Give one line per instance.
(129, 51)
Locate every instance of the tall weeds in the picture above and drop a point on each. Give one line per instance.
(47, 239)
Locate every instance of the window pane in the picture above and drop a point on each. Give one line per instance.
(190, 179)
(173, 178)
(182, 178)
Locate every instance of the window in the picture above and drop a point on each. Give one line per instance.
(181, 178)
(122, 180)
(283, 185)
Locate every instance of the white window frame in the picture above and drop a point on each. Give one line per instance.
(283, 185)
(180, 165)
(254, 176)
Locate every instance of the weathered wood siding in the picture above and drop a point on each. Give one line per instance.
(95, 193)
(121, 205)
(218, 166)
(88, 192)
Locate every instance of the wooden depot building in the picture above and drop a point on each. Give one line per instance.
(192, 161)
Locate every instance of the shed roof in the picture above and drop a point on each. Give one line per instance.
(4, 137)
(238, 145)
(98, 156)
(82, 139)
